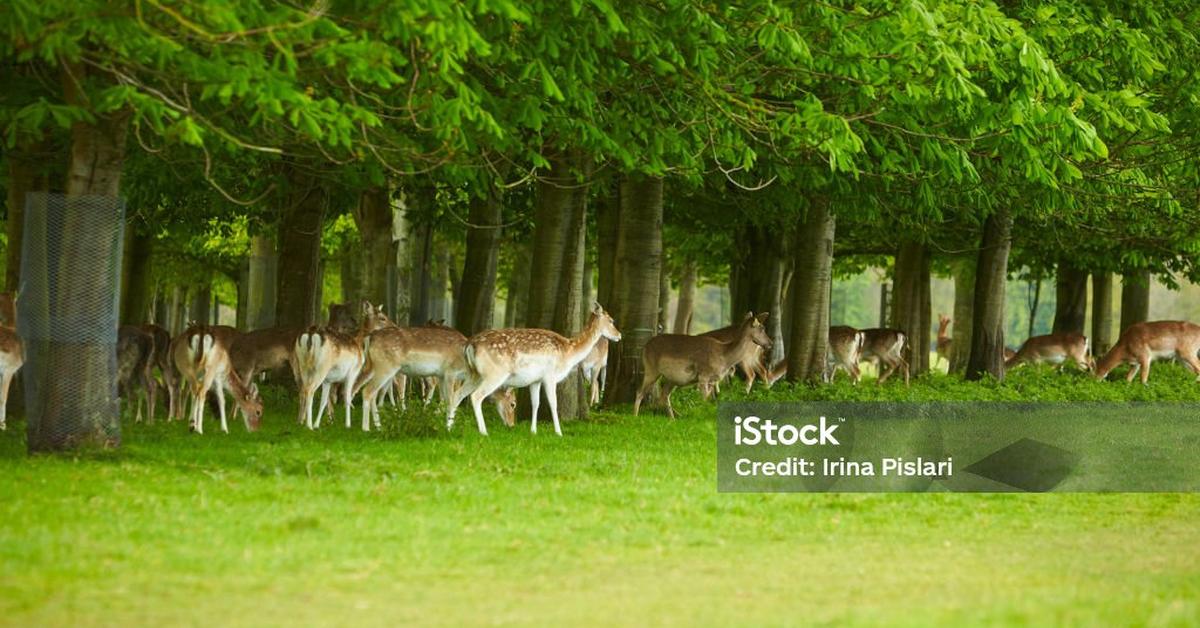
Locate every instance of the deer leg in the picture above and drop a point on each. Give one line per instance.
(552, 399)
(648, 380)
(1146, 370)
(535, 398)
(891, 368)
(221, 406)
(151, 393)
(1133, 371)
(324, 401)
(594, 393)
(348, 392)
(5, 381)
(481, 392)
(603, 380)
(667, 389)
(370, 392)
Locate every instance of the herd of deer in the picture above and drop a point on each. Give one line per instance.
(371, 356)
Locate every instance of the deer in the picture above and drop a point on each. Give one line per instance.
(163, 361)
(12, 352)
(201, 355)
(944, 342)
(595, 370)
(535, 358)
(324, 357)
(430, 352)
(261, 350)
(751, 364)
(1055, 349)
(135, 361)
(844, 351)
(1142, 343)
(886, 347)
(703, 360)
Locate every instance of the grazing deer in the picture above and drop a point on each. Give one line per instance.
(751, 364)
(534, 358)
(201, 355)
(944, 342)
(595, 369)
(886, 347)
(12, 352)
(683, 360)
(263, 350)
(844, 351)
(162, 359)
(135, 361)
(1055, 349)
(324, 357)
(1142, 343)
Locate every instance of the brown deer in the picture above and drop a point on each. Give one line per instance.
(1055, 349)
(324, 357)
(201, 355)
(429, 352)
(595, 370)
(1141, 343)
(886, 347)
(262, 350)
(703, 360)
(12, 352)
(163, 361)
(844, 351)
(944, 342)
(534, 358)
(135, 363)
(751, 364)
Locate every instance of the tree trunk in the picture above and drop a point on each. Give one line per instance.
(910, 303)
(987, 332)
(687, 299)
(136, 303)
(243, 298)
(201, 311)
(260, 306)
(22, 179)
(350, 262)
(476, 294)
(608, 214)
(964, 306)
(74, 384)
(812, 281)
(635, 282)
(178, 315)
(516, 306)
(1070, 310)
(420, 307)
(664, 297)
(300, 229)
(1135, 298)
(162, 308)
(588, 294)
(373, 217)
(1102, 314)
(439, 305)
(1034, 300)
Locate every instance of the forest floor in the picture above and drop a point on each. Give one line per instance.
(617, 522)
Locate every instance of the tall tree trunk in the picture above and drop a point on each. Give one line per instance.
(608, 215)
(162, 307)
(686, 306)
(476, 294)
(1070, 310)
(300, 229)
(243, 298)
(635, 288)
(1102, 314)
(987, 333)
(812, 281)
(373, 217)
(420, 307)
(350, 262)
(910, 304)
(885, 304)
(22, 179)
(260, 306)
(439, 304)
(201, 305)
(178, 315)
(516, 306)
(73, 402)
(664, 296)
(588, 294)
(136, 303)
(964, 306)
(1135, 298)
(1035, 298)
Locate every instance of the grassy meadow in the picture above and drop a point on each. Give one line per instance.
(619, 521)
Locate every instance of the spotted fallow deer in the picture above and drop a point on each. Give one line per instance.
(945, 343)
(751, 364)
(535, 358)
(324, 357)
(595, 369)
(1142, 343)
(1055, 349)
(201, 355)
(703, 360)
(886, 347)
(135, 363)
(844, 351)
(164, 362)
(12, 352)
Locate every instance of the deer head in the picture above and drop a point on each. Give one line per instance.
(506, 401)
(753, 327)
(252, 408)
(373, 317)
(608, 328)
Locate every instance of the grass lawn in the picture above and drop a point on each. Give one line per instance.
(617, 522)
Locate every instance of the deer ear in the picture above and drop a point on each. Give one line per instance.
(596, 309)
(763, 316)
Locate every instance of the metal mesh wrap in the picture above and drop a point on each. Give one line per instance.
(67, 317)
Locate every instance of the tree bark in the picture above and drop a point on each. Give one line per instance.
(22, 179)
(260, 306)
(1135, 298)
(1102, 314)
(476, 294)
(243, 298)
(136, 303)
(1070, 310)
(987, 332)
(686, 306)
(964, 306)
(910, 303)
(201, 311)
(608, 214)
(635, 289)
(812, 280)
(373, 217)
(664, 296)
(300, 228)
(516, 306)
(420, 307)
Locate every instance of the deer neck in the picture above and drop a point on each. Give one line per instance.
(733, 351)
(580, 345)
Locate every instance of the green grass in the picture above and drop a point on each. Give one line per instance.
(617, 522)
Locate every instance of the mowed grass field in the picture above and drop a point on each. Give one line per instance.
(617, 522)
